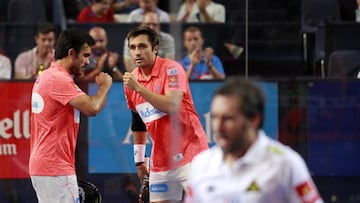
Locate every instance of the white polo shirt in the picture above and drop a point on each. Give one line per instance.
(269, 172)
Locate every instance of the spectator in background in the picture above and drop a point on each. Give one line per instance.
(166, 44)
(146, 6)
(200, 63)
(246, 165)
(100, 11)
(30, 63)
(5, 67)
(101, 59)
(125, 6)
(201, 11)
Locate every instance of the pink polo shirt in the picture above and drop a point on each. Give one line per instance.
(54, 123)
(176, 138)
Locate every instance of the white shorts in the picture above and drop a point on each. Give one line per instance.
(169, 185)
(56, 189)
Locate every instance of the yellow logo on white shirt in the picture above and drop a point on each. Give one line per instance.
(253, 187)
(276, 150)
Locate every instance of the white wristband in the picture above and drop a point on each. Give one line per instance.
(139, 152)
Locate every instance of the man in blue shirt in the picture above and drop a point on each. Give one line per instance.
(200, 63)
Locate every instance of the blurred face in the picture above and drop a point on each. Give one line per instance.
(142, 54)
(148, 5)
(229, 125)
(193, 40)
(100, 39)
(45, 42)
(80, 61)
(152, 20)
(103, 6)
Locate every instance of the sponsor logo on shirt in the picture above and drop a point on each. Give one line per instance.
(307, 193)
(178, 157)
(232, 200)
(148, 112)
(162, 187)
(211, 189)
(37, 103)
(173, 77)
(276, 150)
(76, 116)
(253, 187)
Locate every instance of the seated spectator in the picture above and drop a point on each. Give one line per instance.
(30, 63)
(166, 41)
(5, 67)
(100, 11)
(125, 6)
(146, 6)
(200, 63)
(101, 59)
(201, 11)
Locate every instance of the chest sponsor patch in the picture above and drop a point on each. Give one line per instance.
(148, 112)
(37, 103)
(253, 187)
(307, 193)
(173, 77)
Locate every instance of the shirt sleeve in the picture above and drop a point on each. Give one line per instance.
(217, 63)
(82, 16)
(5, 68)
(219, 14)
(169, 46)
(303, 187)
(127, 94)
(131, 17)
(176, 78)
(64, 92)
(126, 51)
(110, 16)
(181, 13)
(20, 63)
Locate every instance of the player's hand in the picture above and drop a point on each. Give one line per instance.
(102, 60)
(104, 80)
(113, 59)
(209, 53)
(195, 56)
(131, 81)
(142, 171)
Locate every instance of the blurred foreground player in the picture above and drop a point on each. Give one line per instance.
(245, 165)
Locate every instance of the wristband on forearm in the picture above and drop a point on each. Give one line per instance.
(139, 153)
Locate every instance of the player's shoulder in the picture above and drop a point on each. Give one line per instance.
(207, 157)
(168, 63)
(282, 152)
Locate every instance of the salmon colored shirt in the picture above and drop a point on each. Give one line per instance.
(54, 123)
(176, 138)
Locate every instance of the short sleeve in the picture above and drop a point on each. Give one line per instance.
(64, 92)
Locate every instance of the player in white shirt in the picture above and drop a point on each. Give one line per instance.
(245, 165)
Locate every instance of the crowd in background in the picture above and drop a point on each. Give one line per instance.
(199, 61)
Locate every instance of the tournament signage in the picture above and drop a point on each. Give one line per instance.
(15, 129)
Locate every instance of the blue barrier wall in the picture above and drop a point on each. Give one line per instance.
(110, 140)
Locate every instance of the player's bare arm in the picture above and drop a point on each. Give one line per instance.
(169, 103)
(91, 105)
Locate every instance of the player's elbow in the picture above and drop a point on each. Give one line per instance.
(92, 111)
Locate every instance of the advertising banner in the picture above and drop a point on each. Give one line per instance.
(15, 129)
